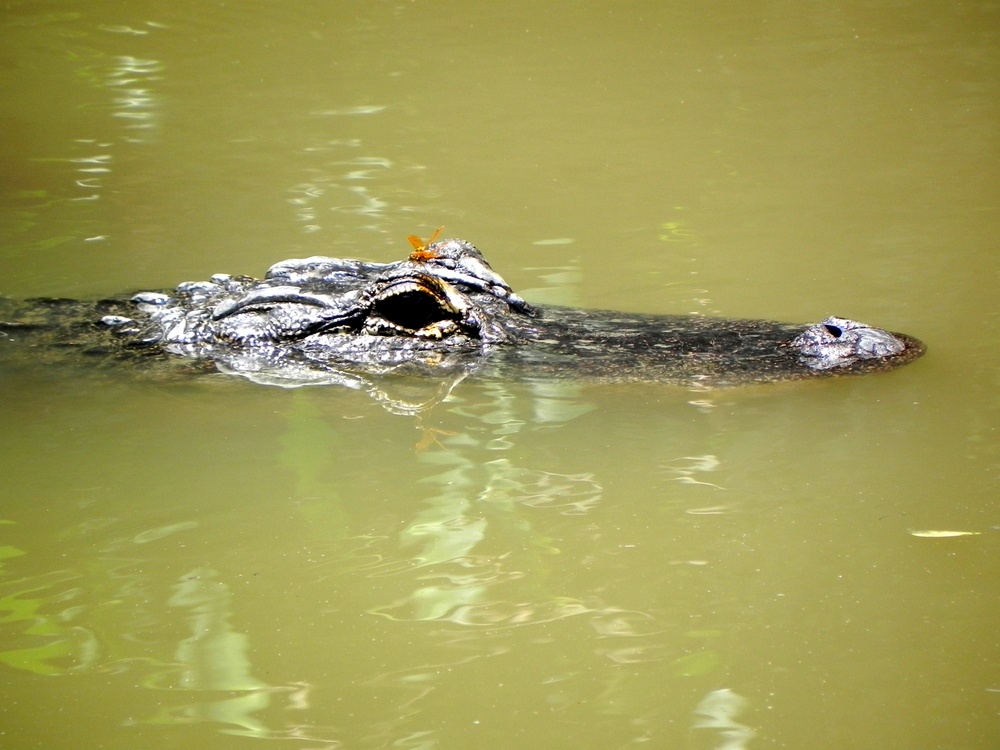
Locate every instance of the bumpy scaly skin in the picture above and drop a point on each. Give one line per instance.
(839, 342)
(445, 311)
(412, 301)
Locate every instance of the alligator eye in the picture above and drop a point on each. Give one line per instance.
(413, 309)
(834, 331)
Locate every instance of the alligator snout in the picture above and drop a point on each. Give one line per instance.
(839, 342)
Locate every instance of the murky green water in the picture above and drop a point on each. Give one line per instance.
(216, 564)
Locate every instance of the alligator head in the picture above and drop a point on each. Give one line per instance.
(401, 302)
(333, 312)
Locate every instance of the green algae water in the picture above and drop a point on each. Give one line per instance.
(212, 563)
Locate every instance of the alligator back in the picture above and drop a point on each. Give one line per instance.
(68, 334)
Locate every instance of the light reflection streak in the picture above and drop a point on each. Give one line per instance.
(214, 659)
(718, 710)
(209, 670)
(472, 495)
(137, 103)
(134, 102)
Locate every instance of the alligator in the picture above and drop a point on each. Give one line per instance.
(441, 312)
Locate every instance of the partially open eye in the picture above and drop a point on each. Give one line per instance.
(413, 309)
(834, 331)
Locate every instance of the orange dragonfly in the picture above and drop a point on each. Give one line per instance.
(420, 251)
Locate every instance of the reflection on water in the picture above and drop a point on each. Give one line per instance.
(488, 564)
(455, 580)
(470, 497)
(132, 79)
(335, 183)
(473, 560)
(718, 710)
(474, 555)
(124, 86)
(212, 658)
(37, 639)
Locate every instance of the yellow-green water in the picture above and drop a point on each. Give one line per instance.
(218, 564)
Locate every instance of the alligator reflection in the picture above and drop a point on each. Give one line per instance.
(454, 523)
(473, 573)
(472, 564)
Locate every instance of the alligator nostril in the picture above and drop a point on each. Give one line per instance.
(834, 331)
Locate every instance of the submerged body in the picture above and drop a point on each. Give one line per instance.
(443, 311)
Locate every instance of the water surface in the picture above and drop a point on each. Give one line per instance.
(213, 563)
